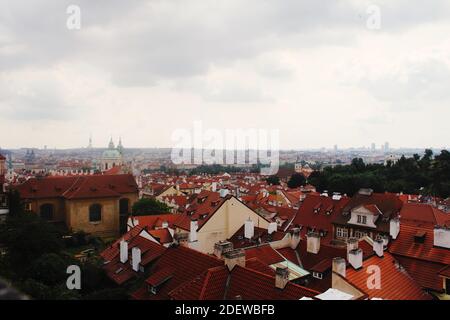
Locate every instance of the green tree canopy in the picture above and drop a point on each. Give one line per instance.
(149, 206)
(296, 181)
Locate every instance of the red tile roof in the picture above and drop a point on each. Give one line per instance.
(184, 263)
(424, 272)
(264, 253)
(423, 214)
(122, 272)
(78, 187)
(405, 245)
(253, 285)
(321, 219)
(395, 284)
(239, 241)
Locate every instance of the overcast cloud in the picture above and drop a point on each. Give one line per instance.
(141, 69)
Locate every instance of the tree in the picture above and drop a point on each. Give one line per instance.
(27, 237)
(273, 180)
(149, 206)
(296, 181)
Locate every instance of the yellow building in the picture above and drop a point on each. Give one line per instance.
(212, 218)
(93, 204)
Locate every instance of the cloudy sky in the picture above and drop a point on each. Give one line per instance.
(315, 70)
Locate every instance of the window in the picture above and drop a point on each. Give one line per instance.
(123, 206)
(342, 232)
(152, 289)
(360, 234)
(317, 275)
(95, 213)
(362, 219)
(46, 211)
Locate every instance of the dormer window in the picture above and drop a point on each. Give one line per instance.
(318, 275)
(153, 289)
(419, 237)
(362, 219)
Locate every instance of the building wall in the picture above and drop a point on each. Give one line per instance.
(58, 207)
(226, 222)
(77, 216)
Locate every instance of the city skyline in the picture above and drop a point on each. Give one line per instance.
(320, 81)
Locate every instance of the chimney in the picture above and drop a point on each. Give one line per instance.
(355, 258)
(135, 258)
(224, 192)
(313, 242)
(295, 237)
(221, 248)
(123, 251)
(339, 266)
(249, 229)
(272, 227)
(214, 186)
(441, 237)
(378, 247)
(394, 227)
(165, 224)
(235, 257)
(281, 277)
(193, 231)
(352, 244)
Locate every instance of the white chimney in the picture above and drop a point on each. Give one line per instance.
(272, 227)
(355, 258)
(339, 266)
(441, 237)
(394, 227)
(295, 238)
(281, 277)
(136, 258)
(378, 247)
(224, 193)
(313, 242)
(214, 186)
(123, 251)
(352, 244)
(193, 231)
(249, 229)
(165, 224)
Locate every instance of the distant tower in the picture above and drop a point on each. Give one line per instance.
(90, 142)
(373, 147)
(386, 146)
(111, 144)
(119, 146)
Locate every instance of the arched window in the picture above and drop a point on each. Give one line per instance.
(46, 211)
(123, 206)
(95, 213)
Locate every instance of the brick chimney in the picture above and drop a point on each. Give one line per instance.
(123, 251)
(378, 247)
(355, 258)
(281, 277)
(313, 242)
(135, 258)
(295, 237)
(233, 258)
(222, 247)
